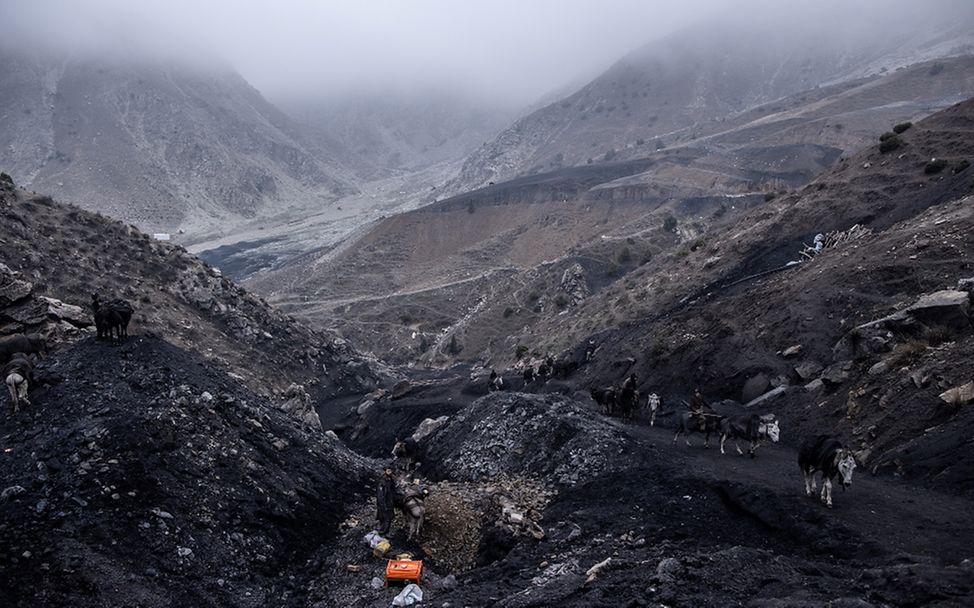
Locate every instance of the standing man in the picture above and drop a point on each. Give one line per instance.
(385, 501)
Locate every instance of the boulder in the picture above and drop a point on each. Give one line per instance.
(965, 284)
(297, 403)
(401, 389)
(66, 312)
(428, 427)
(12, 287)
(755, 387)
(950, 308)
(959, 395)
(808, 370)
(879, 368)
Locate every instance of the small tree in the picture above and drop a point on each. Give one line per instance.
(903, 126)
(454, 348)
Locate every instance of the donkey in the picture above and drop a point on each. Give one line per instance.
(691, 422)
(412, 505)
(751, 427)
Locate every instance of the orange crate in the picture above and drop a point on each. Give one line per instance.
(402, 571)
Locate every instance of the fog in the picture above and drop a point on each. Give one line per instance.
(512, 51)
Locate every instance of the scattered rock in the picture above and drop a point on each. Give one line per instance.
(808, 370)
(959, 395)
(669, 570)
(837, 373)
(792, 351)
(879, 368)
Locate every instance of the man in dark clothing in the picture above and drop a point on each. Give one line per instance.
(385, 501)
(628, 396)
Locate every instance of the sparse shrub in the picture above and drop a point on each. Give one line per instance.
(937, 334)
(936, 69)
(454, 348)
(697, 244)
(887, 135)
(520, 350)
(669, 224)
(610, 154)
(561, 301)
(406, 318)
(508, 312)
(935, 165)
(890, 143)
(659, 144)
(534, 296)
(640, 141)
(624, 257)
(470, 207)
(908, 352)
(6, 179)
(769, 196)
(961, 166)
(659, 346)
(903, 126)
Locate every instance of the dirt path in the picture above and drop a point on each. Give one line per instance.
(900, 517)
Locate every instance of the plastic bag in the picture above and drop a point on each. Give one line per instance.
(408, 596)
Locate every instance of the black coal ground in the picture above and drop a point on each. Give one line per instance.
(682, 526)
(151, 480)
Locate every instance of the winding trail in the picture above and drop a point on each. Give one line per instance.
(898, 515)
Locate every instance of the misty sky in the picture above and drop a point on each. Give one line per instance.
(511, 50)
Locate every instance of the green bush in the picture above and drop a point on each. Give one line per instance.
(887, 135)
(520, 350)
(961, 166)
(561, 300)
(624, 257)
(6, 179)
(669, 224)
(769, 196)
(508, 312)
(903, 126)
(935, 165)
(890, 143)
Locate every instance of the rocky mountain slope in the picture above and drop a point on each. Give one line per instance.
(721, 311)
(161, 145)
(63, 253)
(672, 89)
(412, 282)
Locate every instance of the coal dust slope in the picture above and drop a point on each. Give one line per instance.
(629, 519)
(142, 476)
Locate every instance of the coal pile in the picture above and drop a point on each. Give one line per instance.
(142, 476)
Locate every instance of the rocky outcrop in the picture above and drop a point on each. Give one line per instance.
(574, 284)
(949, 308)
